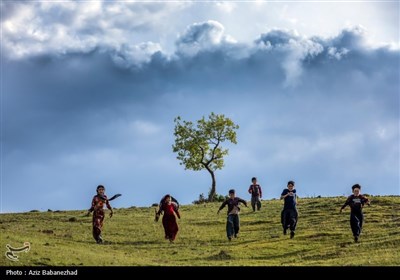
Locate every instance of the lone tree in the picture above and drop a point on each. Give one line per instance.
(200, 147)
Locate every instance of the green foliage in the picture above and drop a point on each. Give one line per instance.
(216, 198)
(132, 238)
(219, 198)
(199, 146)
(201, 199)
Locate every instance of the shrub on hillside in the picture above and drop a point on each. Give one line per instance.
(203, 199)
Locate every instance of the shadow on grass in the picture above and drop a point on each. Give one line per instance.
(280, 256)
(154, 244)
(205, 223)
(320, 235)
(133, 243)
(250, 223)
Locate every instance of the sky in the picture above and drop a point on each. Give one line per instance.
(90, 90)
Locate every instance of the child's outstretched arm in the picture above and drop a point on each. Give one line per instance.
(222, 206)
(243, 201)
(110, 208)
(92, 207)
(345, 204)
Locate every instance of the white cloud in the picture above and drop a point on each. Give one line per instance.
(351, 38)
(226, 7)
(128, 56)
(202, 36)
(133, 31)
(294, 49)
(299, 50)
(145, 128)
(385, 132)
(58, 28)
(285, 16)
(337, 54)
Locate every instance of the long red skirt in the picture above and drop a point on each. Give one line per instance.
(98, 218)
(170, 226)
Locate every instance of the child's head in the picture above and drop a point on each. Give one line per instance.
(168, 199)
(232, 193)
(356, 189)
(100, 189)
(254, 180)
(290, 185)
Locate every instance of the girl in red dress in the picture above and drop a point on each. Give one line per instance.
(98, 203)
(169, 220)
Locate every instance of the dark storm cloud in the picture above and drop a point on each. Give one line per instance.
(314, 109)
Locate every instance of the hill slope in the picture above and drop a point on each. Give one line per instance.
(323, 237)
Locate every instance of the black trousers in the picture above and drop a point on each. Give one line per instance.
(289, 219)
(356, 222)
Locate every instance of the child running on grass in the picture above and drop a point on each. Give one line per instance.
(98, 202)
(232, 221)
(356, 202)
(256, 194)
(169, 208)
(289, 213)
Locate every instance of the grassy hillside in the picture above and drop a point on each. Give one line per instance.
(323, 237)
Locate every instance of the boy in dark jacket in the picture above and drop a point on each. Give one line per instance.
(356, 202)
(256, 194)
(289, 213)
(232, 222)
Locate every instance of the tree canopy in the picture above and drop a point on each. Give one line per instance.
(200, 146)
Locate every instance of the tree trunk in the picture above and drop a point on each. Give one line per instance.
(211, 194)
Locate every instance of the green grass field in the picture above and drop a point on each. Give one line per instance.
(323, 237)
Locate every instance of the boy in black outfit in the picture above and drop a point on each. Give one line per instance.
(232, 222)
(256, 194)
(356, 202)
(289, 213)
